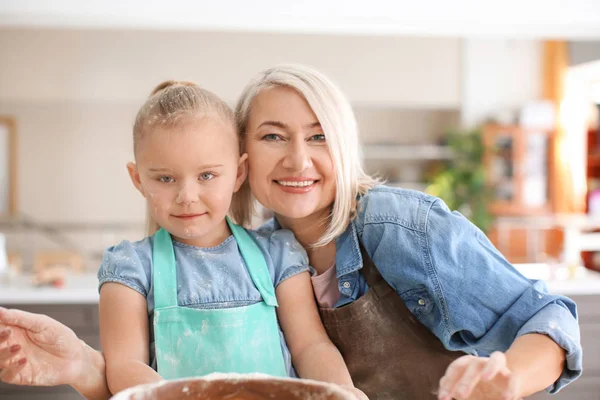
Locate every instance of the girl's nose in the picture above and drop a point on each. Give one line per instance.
(188, 194)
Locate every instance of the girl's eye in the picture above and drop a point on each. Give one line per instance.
(318, 138)
(271, 137)
(206, 176)
(166, 179)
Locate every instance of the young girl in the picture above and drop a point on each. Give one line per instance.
(200, 294)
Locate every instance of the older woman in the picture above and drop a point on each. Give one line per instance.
(409, 291)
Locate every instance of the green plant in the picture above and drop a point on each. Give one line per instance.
(460, 181)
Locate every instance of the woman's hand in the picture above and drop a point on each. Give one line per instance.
(36, 350)
(479, 378)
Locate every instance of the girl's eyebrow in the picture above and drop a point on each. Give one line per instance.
(209, 166)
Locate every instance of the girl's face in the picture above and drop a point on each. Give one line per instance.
(188, 175)
(290, 168)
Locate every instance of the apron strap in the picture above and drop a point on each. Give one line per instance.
(372, 275)
(255, 262)
(164, 271)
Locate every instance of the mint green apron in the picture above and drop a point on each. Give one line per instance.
(194, 342)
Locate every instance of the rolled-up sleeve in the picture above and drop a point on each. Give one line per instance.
(557, 321)
(485, 302)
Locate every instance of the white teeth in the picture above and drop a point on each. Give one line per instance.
(296, 184)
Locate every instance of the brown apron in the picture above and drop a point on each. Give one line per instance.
(389, 353)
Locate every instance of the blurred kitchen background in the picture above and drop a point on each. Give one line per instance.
(492, 106)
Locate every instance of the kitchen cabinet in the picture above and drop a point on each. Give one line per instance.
(516, 161)
(518, 164)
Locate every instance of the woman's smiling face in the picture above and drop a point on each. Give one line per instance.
(290, 168)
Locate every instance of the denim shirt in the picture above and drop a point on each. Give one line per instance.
(451, 277)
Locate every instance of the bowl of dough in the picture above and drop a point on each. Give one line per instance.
(236, 387)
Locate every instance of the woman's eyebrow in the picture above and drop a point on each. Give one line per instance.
(279, 124)
(276, 124)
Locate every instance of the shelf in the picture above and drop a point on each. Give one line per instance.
(406, 152)
(507, 208)
(594, 159)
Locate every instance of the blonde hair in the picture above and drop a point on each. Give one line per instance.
(338, 122)
(172, 103)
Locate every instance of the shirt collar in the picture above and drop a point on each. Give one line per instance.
(347, 257)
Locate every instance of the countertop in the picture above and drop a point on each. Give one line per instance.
(82, 288)
(79, 288)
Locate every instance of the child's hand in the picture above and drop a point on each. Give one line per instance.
(357, 392)
(470, 377)
(37, 350)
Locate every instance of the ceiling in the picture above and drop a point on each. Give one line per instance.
(564, 19)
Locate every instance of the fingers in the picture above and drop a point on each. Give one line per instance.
(359, 394)
(496, 365)
(511, 393)
(4, 334)
(22, 319)
(467, 373)
(8, 352)
(470, 378)
(452, 375)
(10, 370)
(513, 388)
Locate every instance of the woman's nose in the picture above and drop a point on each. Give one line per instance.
(297, 157)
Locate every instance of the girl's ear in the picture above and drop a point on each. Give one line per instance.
(242, 171)
(135, 177)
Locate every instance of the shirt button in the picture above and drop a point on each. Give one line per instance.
(421, 302)
(346, 285)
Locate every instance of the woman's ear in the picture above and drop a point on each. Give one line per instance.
(135, 177)
(242, 172)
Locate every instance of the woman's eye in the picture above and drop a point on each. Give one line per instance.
(272, 137)
(318, 138)
(206, 176)
(166, 179)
